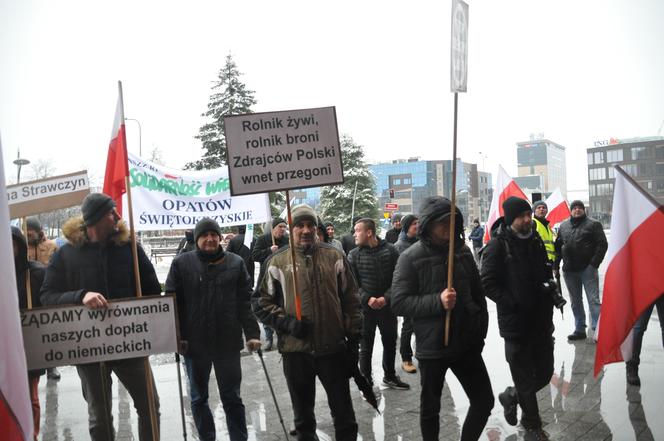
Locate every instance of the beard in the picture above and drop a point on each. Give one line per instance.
(525, 228)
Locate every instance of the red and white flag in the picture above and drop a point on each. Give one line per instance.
(505, 187)
(558, 208)
(117, 167)
(15, 407)
(633, 278)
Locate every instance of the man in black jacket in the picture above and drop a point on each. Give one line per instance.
(477, 236)
(581, 244)
(213, 291)
(95, 266)
(236, 246)
(373, 263)
(516, 276)
(419, 290)
(348, 240)
(392, 235)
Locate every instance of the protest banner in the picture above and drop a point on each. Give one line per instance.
(169, 199)
(74, 334)
(48, 194)
(283, 150)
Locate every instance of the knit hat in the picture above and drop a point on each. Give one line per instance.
(538, 203)
(276, 221)
(95, 206)
(304, 212)
(407, 221)
(204, 225)
(577, 203)
(513, 207)
(396, 217)
(33, 224)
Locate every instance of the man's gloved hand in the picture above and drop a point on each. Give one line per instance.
(352, 355)
(299, 328)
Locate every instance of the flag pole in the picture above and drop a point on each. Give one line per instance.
(137, 278)
(291, 242)
(450, 254)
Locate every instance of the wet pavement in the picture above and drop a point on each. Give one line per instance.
(575, 405)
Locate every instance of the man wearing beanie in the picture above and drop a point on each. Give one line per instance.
(95, 266)
(419, 291)
(514, 272)
(392, 235)
(581, 245)
(543, 228)
(477, 236)
(324, 342)
(213, 291)
(264, 247)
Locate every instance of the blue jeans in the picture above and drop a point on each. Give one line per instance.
(229, 376)
(641, 326)
(575, 281)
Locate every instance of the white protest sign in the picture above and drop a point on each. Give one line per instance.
(459, 50)
(169, 199)
(283, 150)
(48, 194)
(66, 335)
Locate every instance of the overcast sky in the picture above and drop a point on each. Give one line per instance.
(577, 71)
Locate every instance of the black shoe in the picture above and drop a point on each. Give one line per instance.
(509, 401)
(395, 383)
(268, 346)
(633, 375)
(535, 435)
(52, 374)
(577, 335)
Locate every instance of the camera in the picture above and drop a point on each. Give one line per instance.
(551, 288)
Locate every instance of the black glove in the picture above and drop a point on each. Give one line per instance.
(299, 328)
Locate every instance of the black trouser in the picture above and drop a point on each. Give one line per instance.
(387, 323)
(531, 365)
(405, 349)
(301, 370)
(472, 374)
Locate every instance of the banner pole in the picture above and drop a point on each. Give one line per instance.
(450, 254)
(298, 302)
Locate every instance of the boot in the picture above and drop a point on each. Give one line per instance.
(632, 372)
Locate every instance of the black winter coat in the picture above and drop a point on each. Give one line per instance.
(237, 246)
(261, 249)
(214, 304)
(373, 268)
(513, 273)
(348, 242)
(580, 242)
(81, 266)
(392, 235)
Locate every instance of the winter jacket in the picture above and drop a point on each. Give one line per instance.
(329, 300)
(580, 242)
(544, 230)
(373, 269)
(81, 266)
(42, 251)
(22, 266)
(261, 249)
(419, 279)
(476, 236)
(214, 304)
(392, 235)
(187, 244)
(237, 246)
(513, 273)
(348, 242)
(404, 242)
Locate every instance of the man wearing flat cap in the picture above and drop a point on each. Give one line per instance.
(515, 275)
(213, 291)
(324, 342)
(94, 267)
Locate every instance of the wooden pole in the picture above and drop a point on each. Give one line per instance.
(298, 301)
(28, 288)
(450, 254)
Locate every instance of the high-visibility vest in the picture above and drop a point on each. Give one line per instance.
(547, 237)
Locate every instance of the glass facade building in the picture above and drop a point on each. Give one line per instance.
(542, 166)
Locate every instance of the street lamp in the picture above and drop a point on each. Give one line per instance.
(483, 156)
(20, 162)
(140, 136)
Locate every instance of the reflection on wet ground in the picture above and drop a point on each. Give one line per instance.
(575, 405)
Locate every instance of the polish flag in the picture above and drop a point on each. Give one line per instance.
(633, 278)
(15, 407)
(117, 167)
(505, 187)
(558, 208)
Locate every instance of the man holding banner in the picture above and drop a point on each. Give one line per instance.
(96, 265)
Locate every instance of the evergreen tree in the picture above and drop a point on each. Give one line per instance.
(336, 201)
(230, 97)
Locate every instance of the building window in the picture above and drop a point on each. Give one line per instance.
(591, 190)
(406, 181)
(639, 153)
(396, 182)
(630, 169)
(597, 174)
(599, 157)
(611, 173)
(590, 159)
(614, 155)
(660, 186)
(659, 151)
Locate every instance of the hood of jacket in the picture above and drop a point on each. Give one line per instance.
(20, 261)
(74, 231)
(434, 209)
